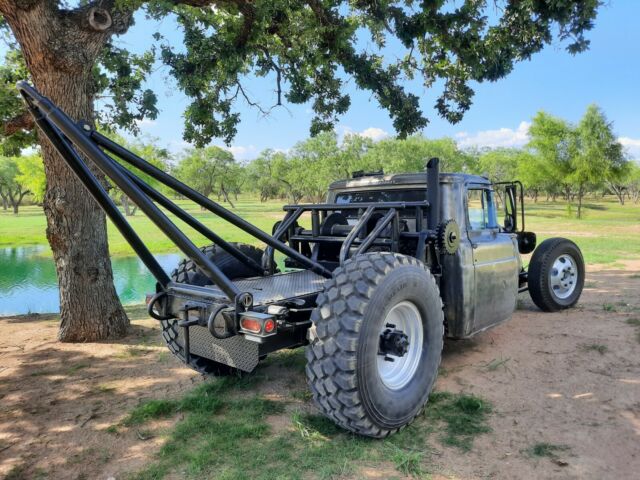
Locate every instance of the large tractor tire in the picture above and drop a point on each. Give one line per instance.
(375, 343)
(187, 272)
(556, 274)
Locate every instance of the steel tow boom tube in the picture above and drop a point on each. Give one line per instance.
(205, 202)
(194, 223)
(99, 194)
(66, 126)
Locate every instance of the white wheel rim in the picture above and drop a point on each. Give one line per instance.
(406, 318)
(563, 276)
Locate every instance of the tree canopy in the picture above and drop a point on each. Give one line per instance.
(208, 170)
(308, 49)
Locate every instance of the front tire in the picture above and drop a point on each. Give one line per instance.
(351, 381)
(556, 274)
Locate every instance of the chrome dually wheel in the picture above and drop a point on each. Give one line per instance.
(563, 276)
(556, 274)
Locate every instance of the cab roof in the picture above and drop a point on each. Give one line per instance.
(415, 179)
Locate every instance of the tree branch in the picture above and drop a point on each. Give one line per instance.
(101, 16)
(23, 121)
(250, 102)
(8, 6)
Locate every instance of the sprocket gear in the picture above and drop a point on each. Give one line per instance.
(448, 237)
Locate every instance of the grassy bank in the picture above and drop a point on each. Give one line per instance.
(28, 227)
(229, 430)
(607, 233)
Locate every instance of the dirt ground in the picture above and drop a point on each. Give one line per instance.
(568, 379)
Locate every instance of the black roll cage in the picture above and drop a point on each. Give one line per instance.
(72, 139)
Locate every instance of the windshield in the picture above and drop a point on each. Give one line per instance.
(376, 196)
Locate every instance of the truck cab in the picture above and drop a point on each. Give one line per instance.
(479, 283)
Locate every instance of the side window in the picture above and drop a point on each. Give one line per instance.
(481, 209)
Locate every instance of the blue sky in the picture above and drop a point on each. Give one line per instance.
(608, 74)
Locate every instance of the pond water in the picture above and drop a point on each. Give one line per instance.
(28, 282)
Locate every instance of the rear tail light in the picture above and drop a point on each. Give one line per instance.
(250, 325)
(269, 326)
(256, 323)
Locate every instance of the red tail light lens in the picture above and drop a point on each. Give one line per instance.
(258, 323)
(251, 325)
(269, 326)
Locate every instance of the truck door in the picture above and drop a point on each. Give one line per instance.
(495, 260)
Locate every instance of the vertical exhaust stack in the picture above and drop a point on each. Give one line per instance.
(433, 192)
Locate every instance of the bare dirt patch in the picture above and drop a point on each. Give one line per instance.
(565, 390)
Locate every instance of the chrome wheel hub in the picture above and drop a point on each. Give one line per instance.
(563, 276)
(400, 349)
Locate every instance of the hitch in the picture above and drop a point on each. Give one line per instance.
(185, 323)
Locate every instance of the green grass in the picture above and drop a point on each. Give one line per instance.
(603, 234)
(633, 321)
(149, 410)
(595, 347)
(17, 472)
(464, 417)
(28, 227)
(76, 368)
(606, 233)
(225, 433)
(544, 449)
(112, 429)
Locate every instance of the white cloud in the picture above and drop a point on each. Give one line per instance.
(502, 137)
(632, 145)
(374, 133)
(241, 152)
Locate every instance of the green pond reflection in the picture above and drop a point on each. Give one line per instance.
(28, 282)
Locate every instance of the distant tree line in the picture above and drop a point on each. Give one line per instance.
(561, 160)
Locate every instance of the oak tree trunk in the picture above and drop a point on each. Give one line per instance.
(60, 52)
(76, 229)
(226, 196)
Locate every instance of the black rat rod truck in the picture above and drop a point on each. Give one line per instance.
(389, 267)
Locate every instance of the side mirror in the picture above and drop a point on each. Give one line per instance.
(526, 242)
(510, 224)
